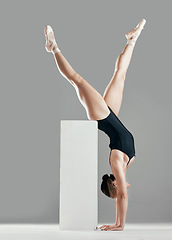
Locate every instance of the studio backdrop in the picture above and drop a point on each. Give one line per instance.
(35, 98)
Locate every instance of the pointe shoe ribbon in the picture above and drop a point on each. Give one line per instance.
(55, 50)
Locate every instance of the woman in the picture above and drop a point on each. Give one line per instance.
(105, 110)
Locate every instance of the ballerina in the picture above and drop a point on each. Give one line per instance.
(105, 111)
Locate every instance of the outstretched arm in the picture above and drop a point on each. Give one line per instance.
(122, 204)
(122, 198)
(117, 223)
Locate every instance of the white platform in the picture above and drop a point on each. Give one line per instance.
(52, 232)
(78, 175)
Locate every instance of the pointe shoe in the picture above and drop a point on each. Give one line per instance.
(134, 34)
(51, 45)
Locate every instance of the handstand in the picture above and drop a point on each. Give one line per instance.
(105, 111)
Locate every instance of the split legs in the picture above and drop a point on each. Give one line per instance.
(95, 105)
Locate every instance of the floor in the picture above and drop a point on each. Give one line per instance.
(52, 232)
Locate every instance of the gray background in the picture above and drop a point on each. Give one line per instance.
(34, 97)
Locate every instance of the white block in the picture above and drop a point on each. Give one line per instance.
(78, 175)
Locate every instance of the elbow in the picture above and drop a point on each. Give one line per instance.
(72, 76)
(122, 195)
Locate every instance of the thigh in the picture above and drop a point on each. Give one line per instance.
(114, 92)
(93, 102)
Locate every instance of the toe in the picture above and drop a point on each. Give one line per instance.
(49, 29)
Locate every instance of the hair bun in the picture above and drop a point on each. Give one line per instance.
(105, 177)
(112, 177)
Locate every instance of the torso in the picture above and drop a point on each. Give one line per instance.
(121, 140)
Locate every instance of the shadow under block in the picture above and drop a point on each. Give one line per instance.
(78, 175)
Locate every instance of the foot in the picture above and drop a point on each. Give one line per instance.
(51, 44)
(134, 34)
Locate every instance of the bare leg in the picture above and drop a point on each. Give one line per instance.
(93, 102)
(123, 60)
(114, 91)
(65, 68)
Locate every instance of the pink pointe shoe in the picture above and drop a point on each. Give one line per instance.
(51, 45)
(133, 35)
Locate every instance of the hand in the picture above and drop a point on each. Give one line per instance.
(113, 227)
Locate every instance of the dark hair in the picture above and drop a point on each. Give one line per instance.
(104, 185)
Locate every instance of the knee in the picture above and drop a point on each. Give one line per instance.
(76, 78)
(120, 74)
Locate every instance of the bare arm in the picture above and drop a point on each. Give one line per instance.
(122, 205)
(117, 215)
(122, 198)
(117, 212)
(121, 201)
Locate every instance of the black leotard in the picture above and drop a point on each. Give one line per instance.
(120, 137)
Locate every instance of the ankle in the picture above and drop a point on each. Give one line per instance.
(131, 42)
(54, 48)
